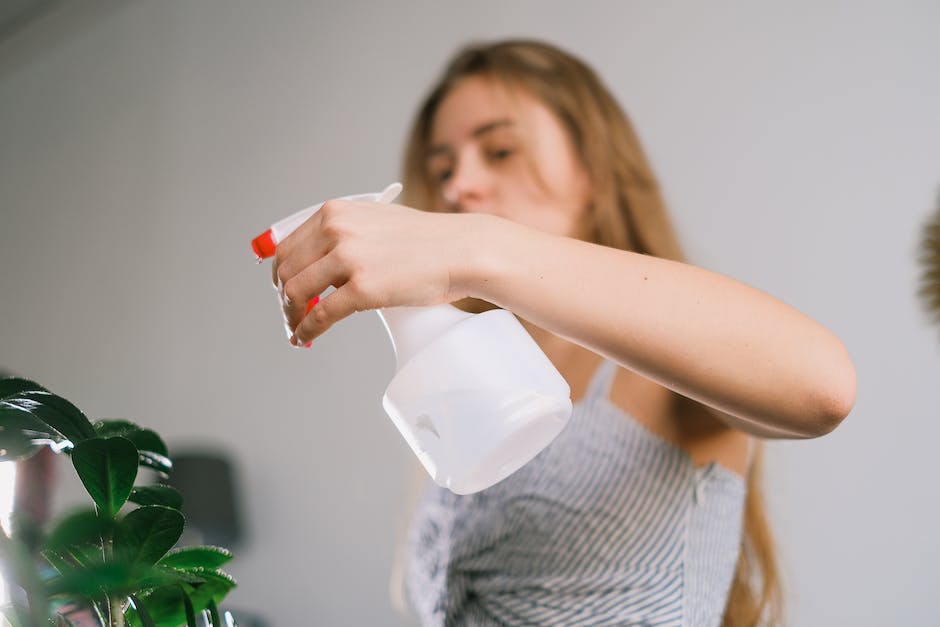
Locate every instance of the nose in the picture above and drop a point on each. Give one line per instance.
(469, 184)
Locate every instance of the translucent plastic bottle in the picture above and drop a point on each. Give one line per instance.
(473, 394)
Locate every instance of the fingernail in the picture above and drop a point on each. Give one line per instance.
(296, 342)
(313, 302)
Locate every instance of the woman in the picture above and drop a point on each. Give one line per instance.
(526, 188)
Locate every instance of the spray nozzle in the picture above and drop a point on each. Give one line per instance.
(265, 245)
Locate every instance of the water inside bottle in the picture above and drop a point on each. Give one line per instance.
(470, 437)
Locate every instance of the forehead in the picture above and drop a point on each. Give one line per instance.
(478, 100)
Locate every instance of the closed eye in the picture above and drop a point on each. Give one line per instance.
(496, 155)
(501, 154)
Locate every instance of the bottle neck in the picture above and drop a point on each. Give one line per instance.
(412, 328)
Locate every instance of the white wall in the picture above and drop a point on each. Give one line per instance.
(142, 144)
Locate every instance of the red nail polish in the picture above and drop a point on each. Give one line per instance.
(312, 304)
(309, 344)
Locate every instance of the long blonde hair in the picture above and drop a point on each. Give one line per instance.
(628, 212)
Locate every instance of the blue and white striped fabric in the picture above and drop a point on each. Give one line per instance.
(609, 525)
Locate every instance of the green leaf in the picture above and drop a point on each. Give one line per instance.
(218, 585)
(117, 578)
(143, 439)
(142, 614)
(147, 533)
(216, 576)
(109, 428)
(92, 581)
(174, 575)
(10, 386)
(153, 451)
(156, 576)
(148, 440)
(158, 462)
(58, 561)
(85, 556)
(214, 617)
(67, 559)
(162, 602)
(107, 468)
(22, 434)
(197, 557)
(157, 495)
(190, 612)
(55, 411)
(166, 603)
(79, 528)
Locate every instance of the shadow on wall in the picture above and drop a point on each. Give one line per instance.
(31, 28)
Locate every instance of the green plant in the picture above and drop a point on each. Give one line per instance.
(115, 559)
(929, 258)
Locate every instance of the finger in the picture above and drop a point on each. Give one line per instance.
(331, 309)
(294, 260)
(310, 282)
(286, 247)
(288, 332)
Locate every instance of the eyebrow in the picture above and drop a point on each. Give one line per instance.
(477, 132)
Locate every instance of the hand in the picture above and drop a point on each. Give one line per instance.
(376, 255)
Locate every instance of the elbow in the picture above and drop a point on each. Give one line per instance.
(836, 401)
(827, 400)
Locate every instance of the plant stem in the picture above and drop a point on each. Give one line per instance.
(115, 612)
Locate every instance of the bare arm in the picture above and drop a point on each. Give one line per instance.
(760, 365)
(763, 366)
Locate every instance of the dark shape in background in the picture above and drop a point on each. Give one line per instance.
(210, 492)
(208, 481)
(929, 258)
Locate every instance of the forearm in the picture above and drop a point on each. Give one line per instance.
(699, 333)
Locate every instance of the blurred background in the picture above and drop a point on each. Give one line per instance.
(143, 144)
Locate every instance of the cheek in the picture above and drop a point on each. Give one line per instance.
(557, 208)
(569, 194)
(573, 184)
(565, 178)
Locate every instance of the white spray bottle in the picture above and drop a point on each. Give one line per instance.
(473, 394)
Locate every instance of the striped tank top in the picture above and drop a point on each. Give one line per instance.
(609, 525)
